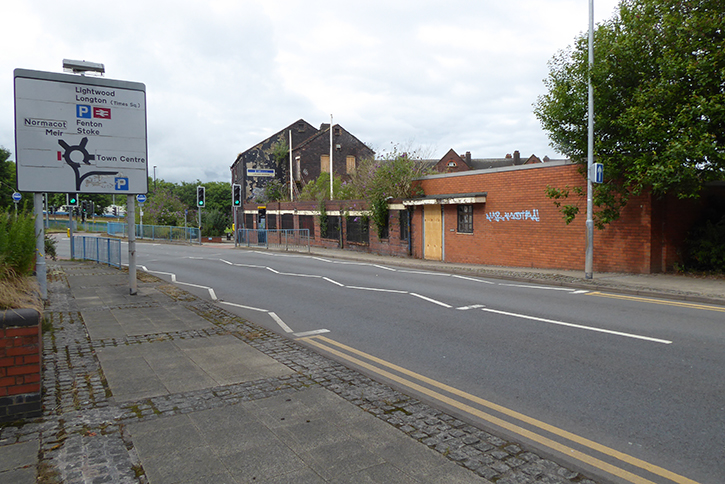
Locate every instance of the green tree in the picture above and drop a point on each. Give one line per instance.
(7, 179)
(659, 94)
(162, 207)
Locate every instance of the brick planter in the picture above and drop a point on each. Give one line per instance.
(20, 364)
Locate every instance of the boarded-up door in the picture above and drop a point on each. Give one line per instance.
(433, 232)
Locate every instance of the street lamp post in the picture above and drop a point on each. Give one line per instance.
(589, 253)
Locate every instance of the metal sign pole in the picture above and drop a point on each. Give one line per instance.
(131, 222)
(40, 269)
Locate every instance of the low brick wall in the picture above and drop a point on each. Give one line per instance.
(20, 364)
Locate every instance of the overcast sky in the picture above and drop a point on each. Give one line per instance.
(221, 76)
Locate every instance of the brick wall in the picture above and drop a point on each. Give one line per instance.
(519, 225)
(20, 364)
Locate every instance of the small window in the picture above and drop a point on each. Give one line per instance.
(337, 131)
(403, 222)
(465, 219)
(452, 164)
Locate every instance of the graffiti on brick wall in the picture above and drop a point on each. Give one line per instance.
(532, 215)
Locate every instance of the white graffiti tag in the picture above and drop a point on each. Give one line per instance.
(532, 215)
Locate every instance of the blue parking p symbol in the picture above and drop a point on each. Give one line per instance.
(83, 111)
(121, 183)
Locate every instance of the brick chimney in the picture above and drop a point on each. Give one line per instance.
(468, 158)
(517, 157)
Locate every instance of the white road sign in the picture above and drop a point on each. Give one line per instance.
(80, 134)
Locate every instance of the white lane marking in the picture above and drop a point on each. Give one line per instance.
(334, 282)
(211, 291)
(537, 287)
(385, 268)
(472, 279)
(270, 269)
(281, 323)
(578, 326)
(227, 262)
(170, 274)
(197, 258)
(314, 276)
(426, 273)
(311, 333)
(583, 291)
(431, 300)
(377, 289)
(474, 306)
(244, 307)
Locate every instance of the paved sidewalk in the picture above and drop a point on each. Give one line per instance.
(164, 387)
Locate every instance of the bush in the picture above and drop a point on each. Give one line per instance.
(17, 245)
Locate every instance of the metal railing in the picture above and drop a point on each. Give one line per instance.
(99, 249)
(155, 232)
(297, 240)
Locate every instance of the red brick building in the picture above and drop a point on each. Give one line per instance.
(503, 217)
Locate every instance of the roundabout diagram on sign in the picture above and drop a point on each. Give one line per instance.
(87, 158)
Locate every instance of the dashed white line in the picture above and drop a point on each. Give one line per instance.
(334, 282)
(578, 326)
(378, 289)
(431, 300)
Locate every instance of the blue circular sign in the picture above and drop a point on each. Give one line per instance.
(141, 198)
(16, 197)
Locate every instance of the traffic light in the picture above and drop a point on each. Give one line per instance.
(72, 199)
(84, 205)
(200, 196)
(236, 195)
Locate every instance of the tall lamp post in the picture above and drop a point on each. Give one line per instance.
(589, 254)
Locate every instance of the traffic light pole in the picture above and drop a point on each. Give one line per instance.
(70, 232)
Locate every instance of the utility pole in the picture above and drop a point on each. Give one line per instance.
(589, 254)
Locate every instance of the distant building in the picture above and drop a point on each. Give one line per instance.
(269, 159)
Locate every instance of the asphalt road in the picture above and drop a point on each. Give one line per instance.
(642, 379)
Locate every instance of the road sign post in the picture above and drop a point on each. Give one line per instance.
(16, 198)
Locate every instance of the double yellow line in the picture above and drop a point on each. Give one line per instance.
(345, 353)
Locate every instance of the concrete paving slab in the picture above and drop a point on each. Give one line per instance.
(18, 461)
(166, 367)
(284, 439)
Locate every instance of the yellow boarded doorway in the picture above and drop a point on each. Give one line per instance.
(433, 236)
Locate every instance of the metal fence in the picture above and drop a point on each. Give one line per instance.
(287, 239)
(99, 249)
(155, 232)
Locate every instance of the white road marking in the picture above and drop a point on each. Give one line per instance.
(281, 323)
(537, 287)
(578, 326)
(311, 333)
(431, 300)
(211, 291)
(377, 289)
(472, 279)
(475, 306)
(244, 307)
(583, 291)
(334, 282)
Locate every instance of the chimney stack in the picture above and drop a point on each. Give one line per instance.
(517, 157)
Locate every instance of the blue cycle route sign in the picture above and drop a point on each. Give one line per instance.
(140, 198)
(16, 197)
